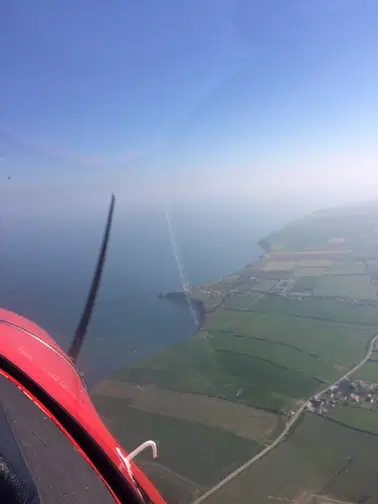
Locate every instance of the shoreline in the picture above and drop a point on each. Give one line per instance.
(183, 298)
(198, 305)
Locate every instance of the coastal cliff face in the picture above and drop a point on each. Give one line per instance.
(265, 245)
(181, 297)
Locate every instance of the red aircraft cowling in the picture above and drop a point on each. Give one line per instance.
(39, 357)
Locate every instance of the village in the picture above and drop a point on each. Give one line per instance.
(346, 392)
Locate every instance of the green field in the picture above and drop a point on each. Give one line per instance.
(225, 284)
(353, 286)
(305, 284)
(187, 366)
(272, 376)
(303, 271)
(334, 343)
(242, 301)
(321, 457)
(347, 267)
(304, 234)
(262, 285)
(265, 385)
(279, 354)
(327, 309)
(201, 368)
(348, 228)
(356, 416)
(225, 320)
(372, 266)
(368, 372)
(198, 452)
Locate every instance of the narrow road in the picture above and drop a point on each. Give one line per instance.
(284, 433)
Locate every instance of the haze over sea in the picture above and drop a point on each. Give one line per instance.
(47, 261)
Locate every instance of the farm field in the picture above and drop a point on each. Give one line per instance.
(327, 309)
(215, 451)
(264, 384)
(314, 263)
(348, 267)
(226, 320)
(262, 360)
(353, 286)
(301, 271)
(263, 285)
(220, 287)
(368, 372)
(282, 355)
(320, 457)
(339, 344)
(273, 265)
(348, 228)
(255, 424)
(356, 416)
(305, 284)
(372, 266)
(242, 301)
(227, 375)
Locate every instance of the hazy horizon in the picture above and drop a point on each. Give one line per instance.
(222, 101)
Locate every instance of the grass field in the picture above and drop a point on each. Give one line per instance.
(305, 284)
(273, 265)
(225, 284)
(314, 263)
(368, 372)
(251, 423)
(358, 286)
(263, 285)
(200, 368)
(200, 453)
(242, 301)
(301, 271)
(264, 384)
(282, 355)
(335, 343)
(271, 376)
(328, 309)
(343, 229)
(356, 416)
(225, 320)
(372, 266)
(321, 457)
(347, 267)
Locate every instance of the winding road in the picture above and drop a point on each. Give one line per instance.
(284, 433)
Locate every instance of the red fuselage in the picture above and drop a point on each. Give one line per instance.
(31, 350)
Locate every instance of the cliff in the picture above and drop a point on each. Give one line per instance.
(181, 297)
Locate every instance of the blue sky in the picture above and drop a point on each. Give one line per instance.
(267, 99)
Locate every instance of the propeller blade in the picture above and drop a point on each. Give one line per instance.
(81, 330)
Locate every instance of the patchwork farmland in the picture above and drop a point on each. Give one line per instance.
(275, 334)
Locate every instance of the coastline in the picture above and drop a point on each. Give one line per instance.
(197, 305)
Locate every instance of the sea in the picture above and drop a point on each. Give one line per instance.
(46, 265)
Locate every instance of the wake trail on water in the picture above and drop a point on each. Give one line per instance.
(180, 266)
